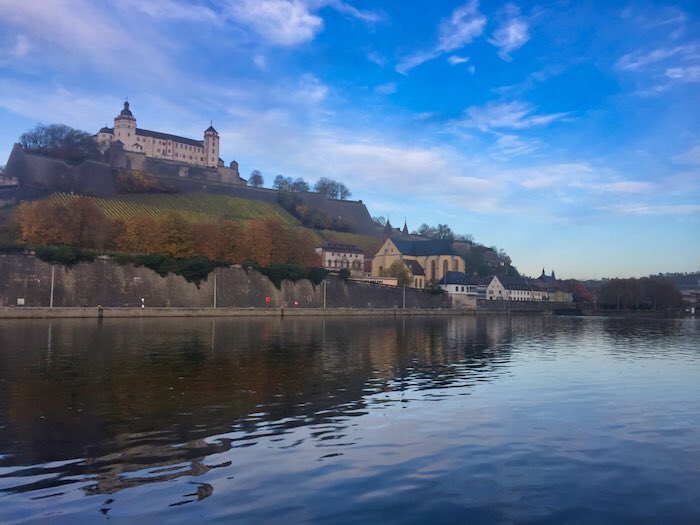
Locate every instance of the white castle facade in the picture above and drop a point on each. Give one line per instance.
(159, 145)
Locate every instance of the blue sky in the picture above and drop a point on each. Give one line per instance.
(566, 132)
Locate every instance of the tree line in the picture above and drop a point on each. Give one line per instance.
(329, 188)
(81, 224)
(647, 293)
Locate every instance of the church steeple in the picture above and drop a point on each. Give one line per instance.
(404, 232)
(388, 230)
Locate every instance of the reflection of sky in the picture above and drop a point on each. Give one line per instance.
(548, 416)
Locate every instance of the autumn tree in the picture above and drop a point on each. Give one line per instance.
(302, 248)
(233, 234)
(282, 183)
(211, 241)
(59, 140)
(256, 244)
(332, 189)
(43, 223)
(176, 237)
(398, 269)
(299, 185)
(256, 179)
(86, 225)
(139, 235)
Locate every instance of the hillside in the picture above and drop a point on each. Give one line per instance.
(195, 207)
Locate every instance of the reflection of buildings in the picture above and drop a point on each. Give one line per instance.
(235, 379)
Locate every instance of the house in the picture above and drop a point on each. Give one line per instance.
(336, 256)
(457, 285)
(461, 284)
(435, 258)
(509, 289)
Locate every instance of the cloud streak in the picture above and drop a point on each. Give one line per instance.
(464, 25)
(512, 33)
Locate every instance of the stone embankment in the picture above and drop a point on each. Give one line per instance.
(27, 282)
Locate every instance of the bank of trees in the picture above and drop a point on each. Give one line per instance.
(60, 141)
(647, 293)
(81, 224)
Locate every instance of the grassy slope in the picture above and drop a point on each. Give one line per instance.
(201, 208)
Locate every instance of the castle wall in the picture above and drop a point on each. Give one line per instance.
(108, 284)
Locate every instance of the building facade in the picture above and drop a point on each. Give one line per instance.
(435, 257)
(160, 145)
(337, 256)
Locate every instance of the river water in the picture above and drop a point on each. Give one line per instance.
(362, 420)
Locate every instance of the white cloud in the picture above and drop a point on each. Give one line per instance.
(376, 58)
(654, 209)
(347, 9)
(22, 46)
(386, 89)
(684, 74)
(456, 59)
(641, 59)
(508, 146)
(464, 25)
(80, 35)
(260, 62)
(512, 33)
(280, 22)
(171, 9)
(508, 115)
(692, 156)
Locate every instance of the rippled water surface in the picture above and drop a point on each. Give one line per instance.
(416, 420)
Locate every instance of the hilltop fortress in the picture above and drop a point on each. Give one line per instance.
(157, 145)
(137, 160)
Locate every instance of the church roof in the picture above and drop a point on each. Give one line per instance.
(168, 136)
(424, 248)
(106, 130)
(414, 267)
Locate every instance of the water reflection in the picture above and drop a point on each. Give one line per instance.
(104, 409)
(122, 394)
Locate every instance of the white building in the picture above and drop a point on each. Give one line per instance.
(161, 145)
(338, 256)
(509, 289)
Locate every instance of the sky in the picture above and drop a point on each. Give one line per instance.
(565, 132)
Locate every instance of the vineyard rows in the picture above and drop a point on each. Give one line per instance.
(196, 208)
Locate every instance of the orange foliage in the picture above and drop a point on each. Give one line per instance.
(138, 236)
(176, 237)
(82, 224)
(211, 241)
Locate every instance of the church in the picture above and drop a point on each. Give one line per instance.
(155, 144)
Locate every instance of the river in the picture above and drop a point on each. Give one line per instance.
(494, 419)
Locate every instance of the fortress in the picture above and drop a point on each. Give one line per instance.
(159, 145)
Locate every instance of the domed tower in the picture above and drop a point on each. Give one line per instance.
(211, 146)
(125, 127)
